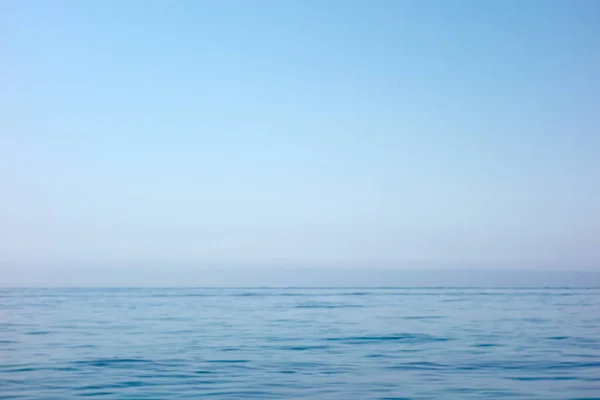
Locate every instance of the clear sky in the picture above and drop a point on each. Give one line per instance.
(446, 133)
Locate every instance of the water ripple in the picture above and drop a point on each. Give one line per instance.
(300, 343)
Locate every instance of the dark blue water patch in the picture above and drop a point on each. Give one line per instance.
(585, 398)
(231, 349)
(423, 317)
(303, 348)
(290, 294)
(117, 362)
(406, 337)
(301, 294)
(378, 355)
(40, 368)
(530, 365)
(543, 378)
(329, 306)
(239, 394)
(39, 333)
(6, 366)
(115, 385)
(96, 394)
(24, 369)
(393, 398)
(204, 372)
(463, 390)
(418, 366)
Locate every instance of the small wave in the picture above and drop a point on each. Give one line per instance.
(357, 294)
(304, 348)
(107, 362)
(328, 306)
(407, 337)
(94, 394)
(532, 366)
(115, 385)
(418, 365)
(38, 369)
(25, 369)
(543, 378)
(376, 355)
(204, 372)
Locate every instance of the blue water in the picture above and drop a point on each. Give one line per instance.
(438, 343)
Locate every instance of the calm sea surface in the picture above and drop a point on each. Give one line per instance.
(441, 343)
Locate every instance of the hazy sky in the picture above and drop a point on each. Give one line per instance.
(455, 132)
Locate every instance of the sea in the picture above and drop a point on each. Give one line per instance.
(300, 343)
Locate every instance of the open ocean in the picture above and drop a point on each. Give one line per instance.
(328, 343)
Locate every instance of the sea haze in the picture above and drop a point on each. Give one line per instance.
(285, 275)
(320, 343)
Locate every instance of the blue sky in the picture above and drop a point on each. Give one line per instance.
(310, 132)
